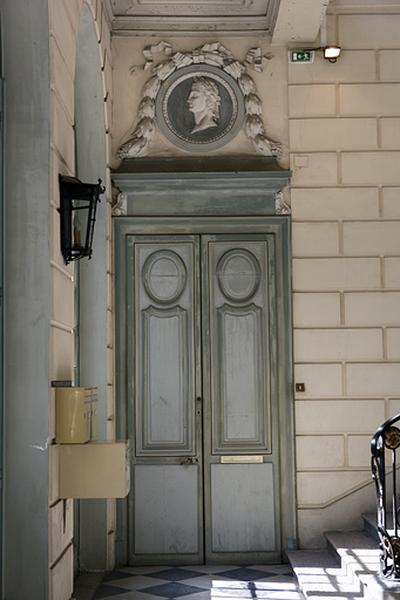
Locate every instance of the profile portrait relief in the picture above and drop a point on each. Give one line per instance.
(199, 108)
(204, 102)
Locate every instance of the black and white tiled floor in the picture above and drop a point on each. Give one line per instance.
(205, 582)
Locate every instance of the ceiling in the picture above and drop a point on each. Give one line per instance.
(281, 21)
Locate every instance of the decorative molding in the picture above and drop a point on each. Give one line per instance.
(253, 366)
(281, 206)
(180, 276)
(109, 11)
(178, 317)
(119, 203)
(184, 17)
(201, 186)
(253, 274)
(214, 56)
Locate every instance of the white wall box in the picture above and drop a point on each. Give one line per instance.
(94, 470)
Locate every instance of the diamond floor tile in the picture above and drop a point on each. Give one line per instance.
(200, 582)
(108, 591)
(176, 574)
(245, 574)
(138, 582)
(114, 575)
(172, 590)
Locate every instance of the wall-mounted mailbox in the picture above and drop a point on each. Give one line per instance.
(76, 414)
(95, 470)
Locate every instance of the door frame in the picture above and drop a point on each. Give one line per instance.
(279, 226)
(3, 249)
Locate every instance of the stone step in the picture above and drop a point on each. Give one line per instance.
(348, 569)
(358, 555)
(369, 520)
(320, 576)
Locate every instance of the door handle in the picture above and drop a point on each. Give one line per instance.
(190, 460)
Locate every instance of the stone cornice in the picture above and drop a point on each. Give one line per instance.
(364, 7)
(232, 17)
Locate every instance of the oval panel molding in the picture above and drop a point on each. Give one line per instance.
(164, 276)
(239, 275)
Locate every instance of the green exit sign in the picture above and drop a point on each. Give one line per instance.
(301, 56)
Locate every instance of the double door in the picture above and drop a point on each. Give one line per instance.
(202, 398)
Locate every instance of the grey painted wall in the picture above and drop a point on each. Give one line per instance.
(92, 282)
(27, 299)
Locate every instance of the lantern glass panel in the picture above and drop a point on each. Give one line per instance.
(81, 215)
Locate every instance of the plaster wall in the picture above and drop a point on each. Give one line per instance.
(26, 300)
(339, 126)
(91, 289)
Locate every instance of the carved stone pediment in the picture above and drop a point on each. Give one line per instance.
(199, 100)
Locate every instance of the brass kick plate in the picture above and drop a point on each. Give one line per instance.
(250, 458)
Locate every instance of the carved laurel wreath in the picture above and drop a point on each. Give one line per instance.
(216, 55)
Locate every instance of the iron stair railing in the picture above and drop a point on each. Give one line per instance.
(384, 445)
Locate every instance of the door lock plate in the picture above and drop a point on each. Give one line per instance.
(190, 460)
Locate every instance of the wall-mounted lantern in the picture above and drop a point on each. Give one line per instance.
(331, 53)
(78, 203)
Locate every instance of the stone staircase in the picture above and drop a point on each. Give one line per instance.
(348, 569)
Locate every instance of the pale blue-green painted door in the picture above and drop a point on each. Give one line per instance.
(241, 457)
(202, 398)
(164, 375)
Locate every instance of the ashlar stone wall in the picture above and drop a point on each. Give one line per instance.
(344, 132)
(64, 18)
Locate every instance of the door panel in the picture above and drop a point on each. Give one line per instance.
(164, 423)
(166, 509)
(163, 324)
(165, 362)
(239, 344)
(238, 368)
(242, 506)
(240, 453)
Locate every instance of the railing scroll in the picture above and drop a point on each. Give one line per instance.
(384, 445)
